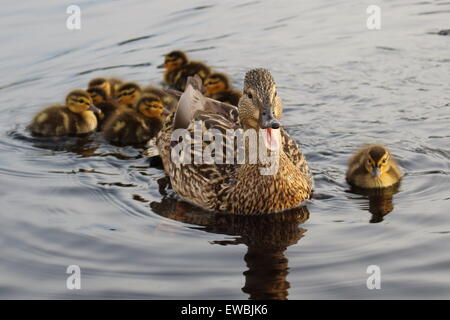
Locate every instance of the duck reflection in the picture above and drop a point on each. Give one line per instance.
(380, 201)
(266, 237)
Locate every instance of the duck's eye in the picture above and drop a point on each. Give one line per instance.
(249, 95)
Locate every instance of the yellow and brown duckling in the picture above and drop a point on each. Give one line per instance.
(373, 166)
(239, 188)
(128, 94)
(107, 105)
(74, 118)
(169, 101)
(217, 86)
(109, 85)
(137, 126)
(178, 68)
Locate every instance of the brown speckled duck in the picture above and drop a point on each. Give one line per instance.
(237, 187)
(74, 118)
(178, 68)
(136, 127)
(373, 166)
(217, 86)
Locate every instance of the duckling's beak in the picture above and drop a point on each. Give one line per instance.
(166, 112)
(161, 66)
(376, 172)
(95, 109)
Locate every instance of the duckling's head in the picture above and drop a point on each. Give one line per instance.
(216, 83)
(150, 106)
(378, 161)
(101, 83)
(128, 93)
(174, 60)
(260, 106)
(79, 101)
(98, 95)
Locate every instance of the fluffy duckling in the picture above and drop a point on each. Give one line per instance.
(135, 127)
(108, 107)
(128, 94)
(373, 166)
(218, 87)
(73, 118)
(178, 68)
(168, 100)
(110, 85)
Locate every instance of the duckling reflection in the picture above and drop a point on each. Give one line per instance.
(380, 201)
(266, 236)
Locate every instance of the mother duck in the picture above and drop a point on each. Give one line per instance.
(239, 187)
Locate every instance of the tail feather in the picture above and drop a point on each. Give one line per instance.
(190, 101)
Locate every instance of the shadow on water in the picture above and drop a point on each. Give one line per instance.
(266, 236)
(380, 201)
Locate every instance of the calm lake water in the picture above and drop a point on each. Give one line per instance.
(84, 202)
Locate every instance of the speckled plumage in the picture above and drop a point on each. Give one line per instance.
(238, 188)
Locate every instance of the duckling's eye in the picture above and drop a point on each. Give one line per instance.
(276, 93)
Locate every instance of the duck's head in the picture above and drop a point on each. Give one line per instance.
(151, 106)
(101, 83)
(79, 101)
(98, 95)
(377, 161)
(174, 60)
(216, 83)
(260, 106)
(128, 93)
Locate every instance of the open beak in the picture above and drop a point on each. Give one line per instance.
(267, 119)
(376, 172)
(95, 109)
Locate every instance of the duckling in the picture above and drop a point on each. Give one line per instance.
(373, 166)
(108, 107)
(73, 118)
(128, 94)
(110, 85)
(218, 87)
(170, 101)
(233, 186)
(135, 127)
(178, 68)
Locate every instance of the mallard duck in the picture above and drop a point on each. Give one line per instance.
(373, 166)
(239, 187)
(178, 68)
(110, 85)
(170, 101)
(128, 94)
(218, 87)
(73, 118)
(108, 106)
(135, 127)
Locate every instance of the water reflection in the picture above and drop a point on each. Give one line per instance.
(266, 236)
(380, 201)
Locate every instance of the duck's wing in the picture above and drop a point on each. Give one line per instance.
(294, 153)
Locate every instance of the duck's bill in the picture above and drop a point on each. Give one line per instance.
(272, 138)
(94, 109)
(376, 172)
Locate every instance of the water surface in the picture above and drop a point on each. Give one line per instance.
(84, 202)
